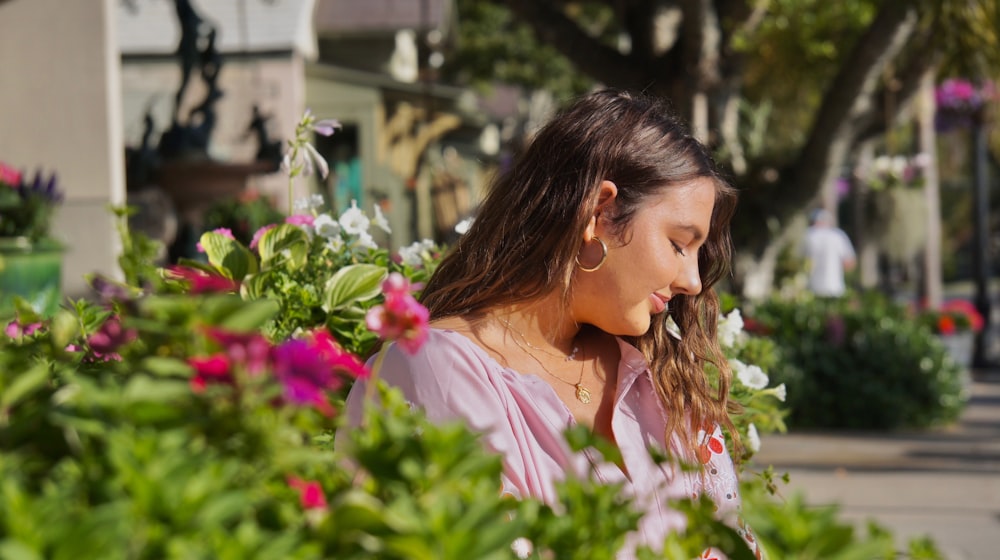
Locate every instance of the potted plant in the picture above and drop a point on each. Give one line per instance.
(30, 259)
(955, 323)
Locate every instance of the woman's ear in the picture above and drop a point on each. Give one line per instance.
(606, 195)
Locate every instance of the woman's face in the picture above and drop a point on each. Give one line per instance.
(654, 259)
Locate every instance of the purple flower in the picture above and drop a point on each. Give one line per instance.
(250, 350)
(327, 126)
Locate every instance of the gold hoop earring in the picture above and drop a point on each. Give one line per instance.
(604, 257)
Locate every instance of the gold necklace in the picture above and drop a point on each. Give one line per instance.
(582, 393)
(568, 357)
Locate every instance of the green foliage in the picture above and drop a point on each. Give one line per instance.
(861, 362)
(242, 216)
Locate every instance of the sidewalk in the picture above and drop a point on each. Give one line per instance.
(944, 483)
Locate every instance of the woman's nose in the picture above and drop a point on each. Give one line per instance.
(688, 281)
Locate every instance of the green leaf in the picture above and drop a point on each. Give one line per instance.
(230, 256)
(24, 384)
(16, 550)
(281, 238)
(254, 286)
(232, 313)
(147, 389)
(166, 367)
(351, 284)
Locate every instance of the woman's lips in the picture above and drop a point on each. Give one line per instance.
(659, 304)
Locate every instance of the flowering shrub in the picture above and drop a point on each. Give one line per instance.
(860, 362)
(26, 206)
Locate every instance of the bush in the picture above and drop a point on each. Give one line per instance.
(861, 362)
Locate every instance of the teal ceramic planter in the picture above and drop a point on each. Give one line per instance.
(32, 271)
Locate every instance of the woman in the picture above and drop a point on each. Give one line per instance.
(552, 310)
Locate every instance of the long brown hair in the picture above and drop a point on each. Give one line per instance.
(530, 227)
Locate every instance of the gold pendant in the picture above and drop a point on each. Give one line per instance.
(582, 394)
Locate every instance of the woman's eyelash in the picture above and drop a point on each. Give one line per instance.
(677, 249)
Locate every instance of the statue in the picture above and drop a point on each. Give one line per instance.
(267, 150)
(197, 46)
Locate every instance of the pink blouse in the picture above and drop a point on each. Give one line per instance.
(523, 419)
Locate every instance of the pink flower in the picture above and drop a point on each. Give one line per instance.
(210, 370)
(110, 337)
(260, 233)
(250, 350)
(401, 317)
(300, 220)
(224, 231)
(336, 357)
(201, 282)
(310, 493)
(9, 175)
(16, 330)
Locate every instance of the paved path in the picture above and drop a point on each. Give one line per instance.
(944, 483)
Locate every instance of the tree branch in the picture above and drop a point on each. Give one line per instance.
(848, 98)
(587, 53)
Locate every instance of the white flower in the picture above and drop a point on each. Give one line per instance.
(326, 226)
(305, 204)
(462, 227)
(335, 244)
(365, 241)
(898, 165)
(882, 164)
(320, 161)
(730, 328)
(522, 547)
(353, 220)
(672, 328)
(749, 375)
(753, 438)
(780, 392)
(380, 220)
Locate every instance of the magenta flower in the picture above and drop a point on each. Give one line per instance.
(310, 493)
(200, 282)
(260, 233)
(224, 231)
(208, 370)
(304, 375)
(9, 175)
(401, 317)
(110, 337)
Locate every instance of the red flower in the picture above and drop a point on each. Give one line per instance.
(200, 281)
(210, 369)
(310, 493)
(946, 325)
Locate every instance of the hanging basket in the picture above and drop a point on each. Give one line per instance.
(31, 270)
(898, 219)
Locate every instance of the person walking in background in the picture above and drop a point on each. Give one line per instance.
(552, 311)
(829, 254)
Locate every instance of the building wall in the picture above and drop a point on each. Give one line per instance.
(60, 110)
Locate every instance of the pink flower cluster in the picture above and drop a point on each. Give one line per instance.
(9, 175)
(401, 317)
(307, 369)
